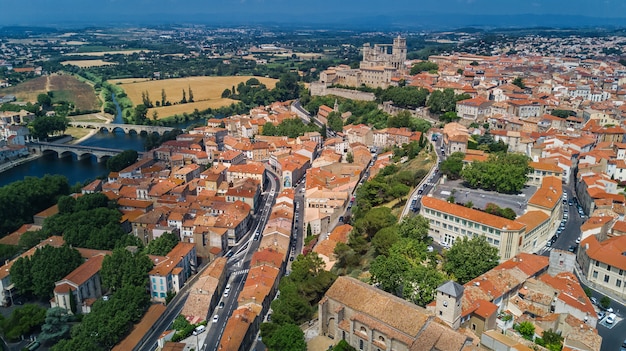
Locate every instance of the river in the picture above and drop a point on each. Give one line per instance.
(80, 170)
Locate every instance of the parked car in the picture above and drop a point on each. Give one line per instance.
(594, 300)
(578, 240)
(216, 318)
(601, 315)
(221, 305)
(611, 318)
(623, 347)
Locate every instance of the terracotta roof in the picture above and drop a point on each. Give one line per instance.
(85, 271)
(141, 329)
(388, 309)
(471, 214)
(611, 251)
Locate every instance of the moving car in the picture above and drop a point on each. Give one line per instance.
(216, 318)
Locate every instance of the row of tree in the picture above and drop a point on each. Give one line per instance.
(292, 127)
(299, 294)
(20, 200)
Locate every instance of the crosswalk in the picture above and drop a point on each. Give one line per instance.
(240, 272)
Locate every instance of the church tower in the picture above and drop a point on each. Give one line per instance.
(449, 306)
(398, 52)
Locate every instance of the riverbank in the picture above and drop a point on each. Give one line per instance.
(6, 166)
(92, 132)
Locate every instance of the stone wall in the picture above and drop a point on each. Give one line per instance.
(320, 89)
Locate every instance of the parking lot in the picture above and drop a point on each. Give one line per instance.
(480, 198)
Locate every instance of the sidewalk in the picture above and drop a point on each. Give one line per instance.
(583, 280)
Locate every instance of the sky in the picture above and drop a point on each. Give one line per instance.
(45, 12)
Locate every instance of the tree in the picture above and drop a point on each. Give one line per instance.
(605, 302)
(287, 337)
(121, 161)
(453, 165)
(184, 99)
(38, 273)
(343, 345)
(162, 245)
(163, 97)
(563, 113)
(44, 101)
(20, 200)
(123, 268)
(226, 93)
(155, 115)
(23, 321)
(56, 326)
(190, 94)
(140, 113)
(30, 239)
(504, 173)
(424, 66)
(449, 116)
(349, 157)
(527, 329)
(519, 82)
(375, 219)
(384, 239)
(415, 228)
(335, 122)
(469, 258)
(43, 126)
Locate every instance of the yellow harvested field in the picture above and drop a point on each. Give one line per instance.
(88, 63)
(102, 53)
(207, 91)
(179, 109)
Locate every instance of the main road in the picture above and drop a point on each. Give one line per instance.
(237, 267)
(239, 264)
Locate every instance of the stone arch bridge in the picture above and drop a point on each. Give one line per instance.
(127, 128)
(81, 152)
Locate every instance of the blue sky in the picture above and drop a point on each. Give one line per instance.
(35, 12)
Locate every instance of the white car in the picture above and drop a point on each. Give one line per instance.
(611, 318)
(216, 318)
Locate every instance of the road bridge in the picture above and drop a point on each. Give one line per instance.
(65, 150)
(126, 128)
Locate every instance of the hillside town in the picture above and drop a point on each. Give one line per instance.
(246, 207)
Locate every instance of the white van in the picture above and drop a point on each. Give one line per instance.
(199, 330)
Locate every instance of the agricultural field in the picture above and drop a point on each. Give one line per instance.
(64, 87)
(87, 63)
(207, 92)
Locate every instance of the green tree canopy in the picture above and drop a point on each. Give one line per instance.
(469, 258)
(121, 161)
(444, 101)
(424, 66)
(287, 337)
(504, 173)
(23, 321)
(123, 268)
(162, 245)
(37, 274)
(453, 165)
(44, 126)
(56, 327)
(335, 122)
(519, 81)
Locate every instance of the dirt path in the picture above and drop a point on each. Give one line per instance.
(48, 85)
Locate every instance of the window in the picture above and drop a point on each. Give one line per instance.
(618, 283)
(360, 344)
(441, 313)
(608, 267)
(473, 326)
(621, 272)
(597, 263)
(595, 274)
(606, 278)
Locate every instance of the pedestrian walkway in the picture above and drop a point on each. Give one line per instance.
(584, 281)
